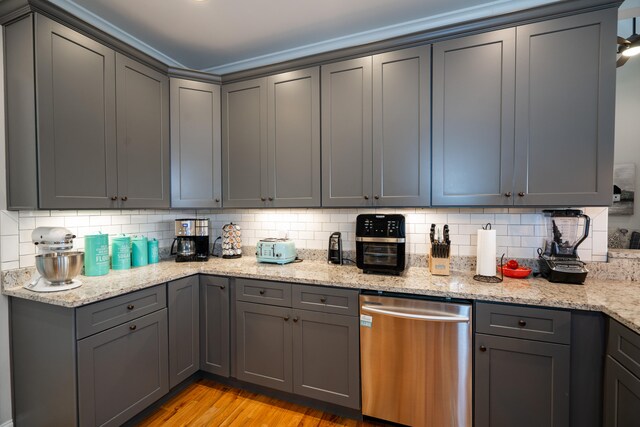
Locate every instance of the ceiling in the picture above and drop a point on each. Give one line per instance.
(221, 36)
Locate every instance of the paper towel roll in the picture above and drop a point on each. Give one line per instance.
(486, 255)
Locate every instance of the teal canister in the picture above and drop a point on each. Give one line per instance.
(96, 255)
(121, 253)
(153, 251)
(139, 251)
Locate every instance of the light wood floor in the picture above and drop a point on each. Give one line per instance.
(206, 403)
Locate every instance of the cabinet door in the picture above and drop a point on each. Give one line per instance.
(326, 357)
(195, 145)
(473, 120)
(401, 131)
(122, 370)
(76, 109)
(263, 340)
(184, 329)
(621, 396)
(143, 135)
(521, 382)
(346, 133)
(244, 144)
(565, 107)
(214, 325)
(294, 139)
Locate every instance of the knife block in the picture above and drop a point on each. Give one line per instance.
(439, 266)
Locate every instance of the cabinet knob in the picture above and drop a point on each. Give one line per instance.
(261, 291)
(221, 287)
(376, 197)
(521, 194)
(286, 318)
(323, 299)
(217, 200)
(483, 348)
(263, 199)
(507, 194)
(114, 198)
(124, 198)
(295, 319)
(271, 199)
(130, 307)
(522, 323)
(366, 197)
(132, 327)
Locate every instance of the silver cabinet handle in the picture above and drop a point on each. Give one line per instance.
(427, 317)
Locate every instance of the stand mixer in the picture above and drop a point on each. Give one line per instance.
(56, 263)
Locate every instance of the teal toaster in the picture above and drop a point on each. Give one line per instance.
(276, 251)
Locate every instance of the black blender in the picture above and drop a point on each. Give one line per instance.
(566, 230)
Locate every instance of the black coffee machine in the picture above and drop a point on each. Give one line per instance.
(566, 230)
(192, 240)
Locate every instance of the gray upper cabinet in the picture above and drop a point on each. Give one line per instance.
(214, 325)
(294, 138)
(86, 128)
(473, 120)
(195, 144)
(76, 119)
(244, 143)
(271, 141)
(142, 97)
(401, 131)
(565, 103)
(347, 178)
(375, 130)
(183, 302)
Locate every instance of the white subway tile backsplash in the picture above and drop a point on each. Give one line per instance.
(520, 230)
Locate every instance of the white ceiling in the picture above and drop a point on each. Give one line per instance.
(222, 36)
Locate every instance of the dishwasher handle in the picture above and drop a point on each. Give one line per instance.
(416, 316)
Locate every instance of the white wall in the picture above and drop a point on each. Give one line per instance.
(627, 142)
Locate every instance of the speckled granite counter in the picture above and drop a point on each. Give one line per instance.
(618, 299)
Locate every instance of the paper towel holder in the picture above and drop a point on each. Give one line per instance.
(491, 279)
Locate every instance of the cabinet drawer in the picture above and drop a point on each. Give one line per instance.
(106, 314)
(539, 324)
(263, 292)
(624, 346)
(327, 300)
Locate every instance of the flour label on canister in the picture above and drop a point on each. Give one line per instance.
(366, 320)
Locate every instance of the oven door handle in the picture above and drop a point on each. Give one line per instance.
(436, 317)
(380, 239)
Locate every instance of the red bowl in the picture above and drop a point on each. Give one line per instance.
(516, 273)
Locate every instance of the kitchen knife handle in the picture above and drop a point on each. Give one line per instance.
(507, 194)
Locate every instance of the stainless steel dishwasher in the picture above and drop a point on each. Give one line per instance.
(416, 361)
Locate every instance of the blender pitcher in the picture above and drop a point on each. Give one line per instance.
(566, 230)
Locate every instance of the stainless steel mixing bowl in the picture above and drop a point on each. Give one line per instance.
(60, 267)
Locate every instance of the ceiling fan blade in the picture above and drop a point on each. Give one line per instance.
(623, 41)
(621, 61)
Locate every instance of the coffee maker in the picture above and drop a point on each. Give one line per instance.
(566, 230)
(192, 240)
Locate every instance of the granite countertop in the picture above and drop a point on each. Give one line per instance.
(618, 299)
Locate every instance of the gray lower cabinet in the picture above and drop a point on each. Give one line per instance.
(313, 353)
(326, 357)
(183, 302)
(524, 116)
(142, 107)
(375, 130)
(264, 345)
(195, 144)
(521, 382)
(87, 128)
(215, 325)
(122, 370)
(622, 377)
(271, 141)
